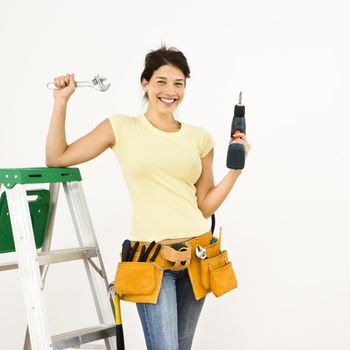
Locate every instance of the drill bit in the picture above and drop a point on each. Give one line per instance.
(240, 98)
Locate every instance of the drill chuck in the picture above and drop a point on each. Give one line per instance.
(239, 111)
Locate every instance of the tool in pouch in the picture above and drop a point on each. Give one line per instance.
(98, 82)
(118, 317)
(128, 251)
(178, 253)
(201, 252)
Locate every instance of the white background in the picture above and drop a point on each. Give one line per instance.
(286, 221)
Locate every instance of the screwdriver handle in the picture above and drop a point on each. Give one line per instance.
(125, 250)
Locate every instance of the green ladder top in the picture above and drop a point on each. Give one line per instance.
(12, 177)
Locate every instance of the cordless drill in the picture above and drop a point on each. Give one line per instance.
(236, 152)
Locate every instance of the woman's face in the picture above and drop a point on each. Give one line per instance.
(165, 89)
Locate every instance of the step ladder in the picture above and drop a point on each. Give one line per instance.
(26, 226)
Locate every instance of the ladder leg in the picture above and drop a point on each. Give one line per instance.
(54, 191)
(86, 237)
(28, 268)
(27, 345)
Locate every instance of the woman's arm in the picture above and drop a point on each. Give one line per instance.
(58, 152)
(209, 196)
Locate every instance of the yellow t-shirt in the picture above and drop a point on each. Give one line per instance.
(160, 169)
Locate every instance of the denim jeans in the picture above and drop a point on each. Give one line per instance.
(170, 324)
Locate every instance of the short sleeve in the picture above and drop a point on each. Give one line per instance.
(117, 122)
(206, 142)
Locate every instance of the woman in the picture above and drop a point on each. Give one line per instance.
(167, 166)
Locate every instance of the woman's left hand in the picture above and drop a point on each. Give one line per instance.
(242, 140)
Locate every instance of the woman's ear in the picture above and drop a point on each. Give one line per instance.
(144, 84)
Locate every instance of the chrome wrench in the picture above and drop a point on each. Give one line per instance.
(98, 82)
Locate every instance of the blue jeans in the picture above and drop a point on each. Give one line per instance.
(170, 324)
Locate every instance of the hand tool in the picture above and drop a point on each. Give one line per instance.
(201, 252)
(98, 82)
(118, 324)
(125, 250)
(144, 254)
(133, 250)
(149, 248)
(212, 223)
(143, 250)
(236, 151)
(118, 316)
(155, 253)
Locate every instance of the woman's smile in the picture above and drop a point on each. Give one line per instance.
(167, 101)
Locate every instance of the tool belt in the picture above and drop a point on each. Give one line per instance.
(139, 275)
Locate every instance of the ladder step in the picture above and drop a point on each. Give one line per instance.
(62, 255)
(8, 266)
(57, 256)
(83, 336)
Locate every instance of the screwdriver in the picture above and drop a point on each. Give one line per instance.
(126, 250)
(236, 151)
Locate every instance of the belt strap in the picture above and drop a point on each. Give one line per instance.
(163, 262)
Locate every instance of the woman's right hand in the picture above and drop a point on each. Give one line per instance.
(65, 86)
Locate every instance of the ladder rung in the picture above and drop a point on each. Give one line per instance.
(8, 266)
(57, 256)
(83, 336)
(62, 255)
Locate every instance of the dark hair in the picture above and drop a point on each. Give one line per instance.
(163, 56)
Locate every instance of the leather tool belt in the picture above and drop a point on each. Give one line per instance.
(139, 274)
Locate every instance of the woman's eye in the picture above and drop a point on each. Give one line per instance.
(161, 82)
(179, 84)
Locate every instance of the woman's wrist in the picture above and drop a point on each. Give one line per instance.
(236, 171)
(60, 101)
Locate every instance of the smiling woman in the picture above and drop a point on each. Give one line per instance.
(167, 166)
(163, 80)
(164, 91)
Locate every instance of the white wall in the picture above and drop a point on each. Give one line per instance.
(285, 223)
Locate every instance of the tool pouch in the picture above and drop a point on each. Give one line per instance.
(180, 256)
(138, 281)
(217, 274)
(213, 274)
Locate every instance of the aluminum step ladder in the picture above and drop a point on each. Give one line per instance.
(26, 226)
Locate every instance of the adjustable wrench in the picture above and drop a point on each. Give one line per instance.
(98, 82)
